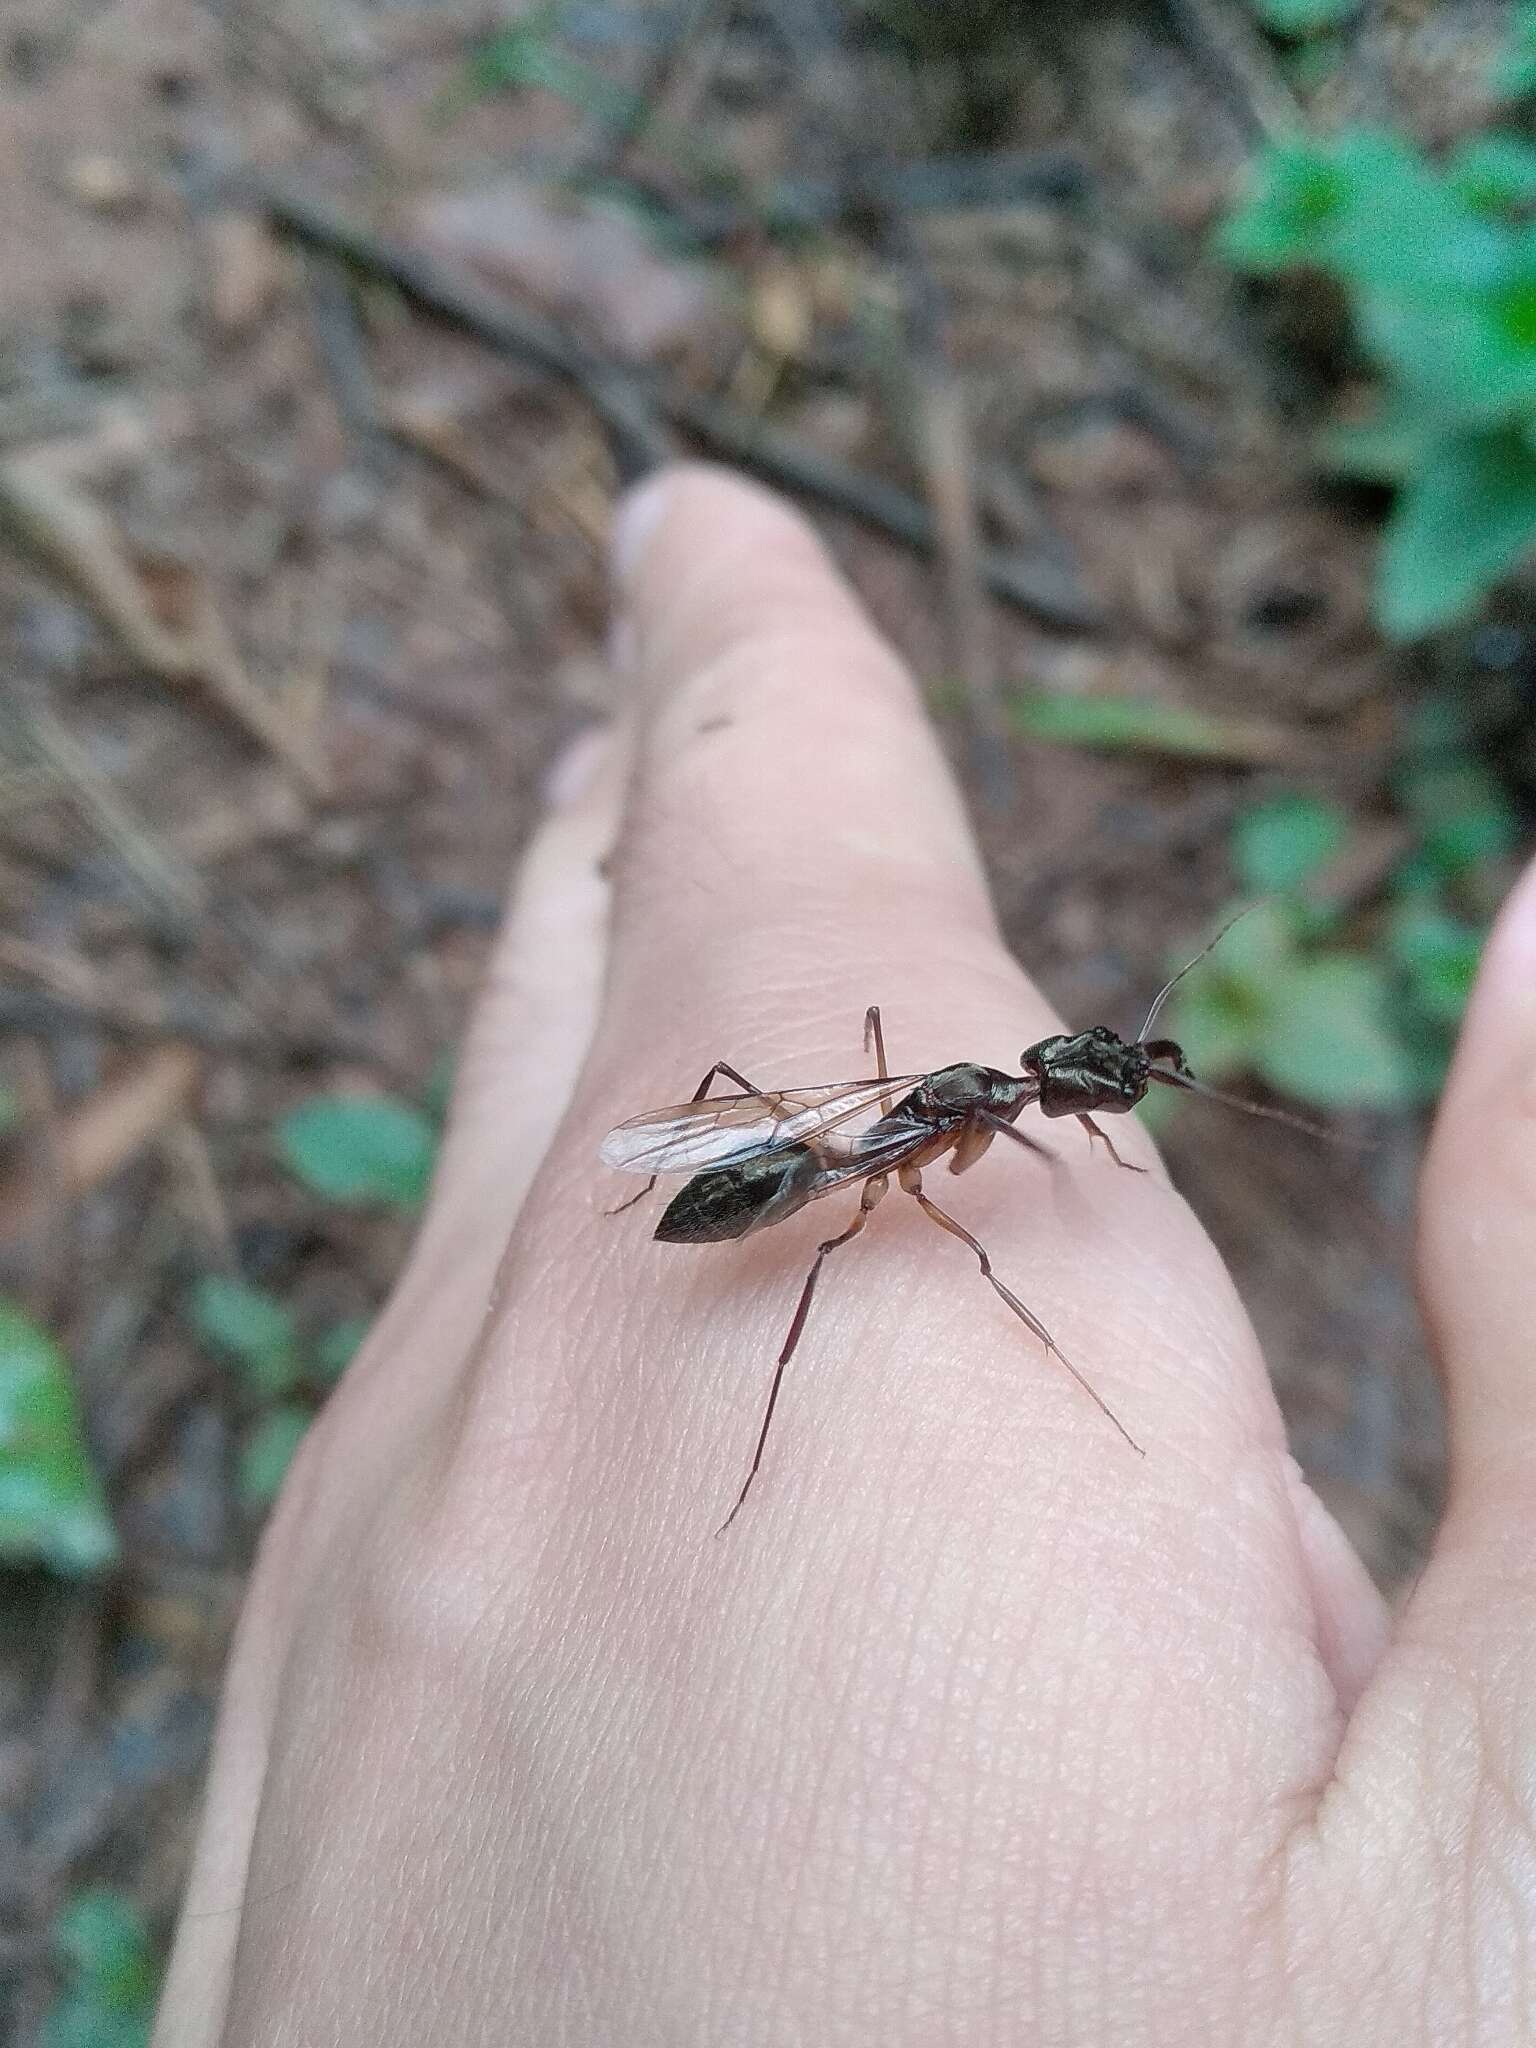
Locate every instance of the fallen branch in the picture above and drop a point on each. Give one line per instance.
(636, 409)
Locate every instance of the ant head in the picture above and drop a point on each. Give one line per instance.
(1080, 1072)
(1096, 1044)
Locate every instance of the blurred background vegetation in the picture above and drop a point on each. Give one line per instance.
(1165, 376)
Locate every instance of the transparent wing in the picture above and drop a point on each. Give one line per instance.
(725, 1130)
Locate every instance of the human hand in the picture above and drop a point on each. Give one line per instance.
(975, 1727)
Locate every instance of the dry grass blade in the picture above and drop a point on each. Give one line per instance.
(1227, 43)
(32, 733)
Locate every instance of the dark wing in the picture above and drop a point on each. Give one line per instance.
(726, 1130)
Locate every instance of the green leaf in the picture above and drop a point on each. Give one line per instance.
(1366, 207)
(1330, 1038)
(267, 1452)
(10, 1109)
(108, 2000)
(1278, 844)
(1140, 725)
(51, 1507)
(1514, 75)
(1464, 818)
(1260, 944)
(438, 1092)
(249, 1327)
(1393, 442)
(1495, 173)
(1400, 229)
(1439, 953)
(101, 1936)
(1216, 1026)
(340, 1344)
(1159, 1109)
(1296, 193)
(1299, 18)
(360, 1149)
(1459, 523)
(1219, 1011)
(1463, 362)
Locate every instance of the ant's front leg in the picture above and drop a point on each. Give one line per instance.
(1097, 1131)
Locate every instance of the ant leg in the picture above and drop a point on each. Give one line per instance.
(912, 1183)
(1097, 1131)
(874, 1189)
(1003, 1129)
(875, 1037)
(698, 1095)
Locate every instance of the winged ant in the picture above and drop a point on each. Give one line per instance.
(760, 1156)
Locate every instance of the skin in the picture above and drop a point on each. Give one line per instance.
(976, 1728)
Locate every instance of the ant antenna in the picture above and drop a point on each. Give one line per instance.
(1274, 1116)
(1168, 987)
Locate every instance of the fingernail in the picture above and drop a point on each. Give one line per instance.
(636, 517)
(574, 771)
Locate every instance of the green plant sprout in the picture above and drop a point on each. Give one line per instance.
(111, 1976)
(366, 1151)
(267, 1450)
(1437, 265)
(51, 1506)
(255, 1333)
(352, 1150)
(1337, 1025)
(1314, 1023)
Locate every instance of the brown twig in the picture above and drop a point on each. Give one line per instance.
(956, 184)
(633, 406)
(196, 1190)
(94, 1140)
(1229, 48)
(612, 129)
(71, 535)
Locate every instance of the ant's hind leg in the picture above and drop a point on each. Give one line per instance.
(1097, 1131)
(874, 1188)
(912, 1183)
(698, 1095)
(874, 1040)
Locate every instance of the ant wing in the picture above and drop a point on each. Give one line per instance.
(727, 1130)
(860, 1157)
